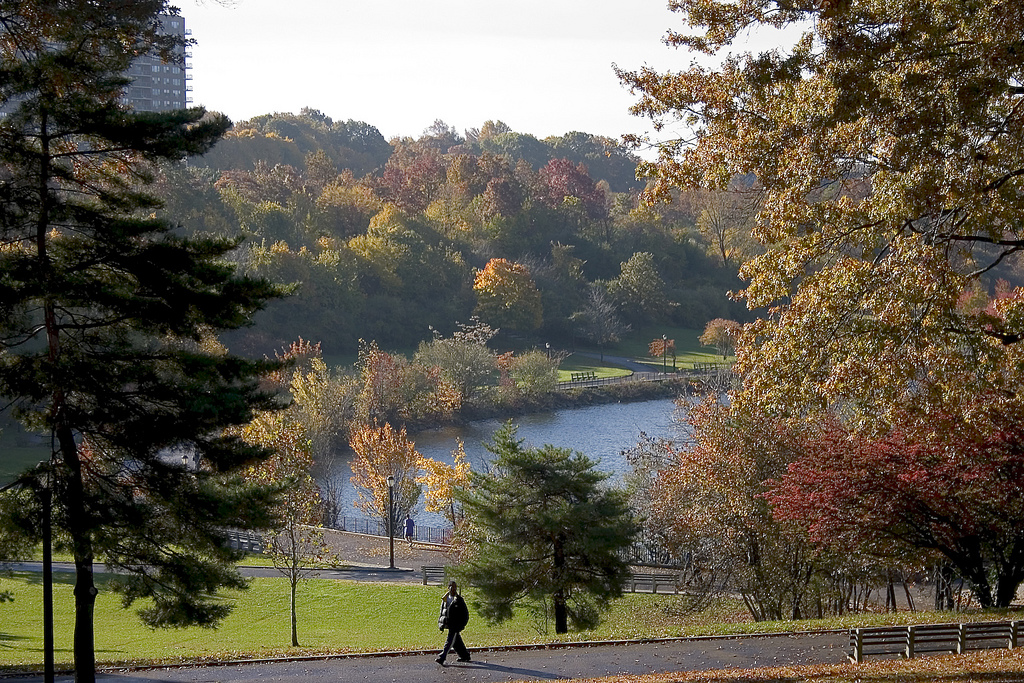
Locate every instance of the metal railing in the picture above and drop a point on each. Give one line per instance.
(375, 527)
(624, 379)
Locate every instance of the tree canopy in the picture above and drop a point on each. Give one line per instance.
(389, 248)
(886, 142)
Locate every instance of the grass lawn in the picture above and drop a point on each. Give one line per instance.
(345, 616)
(334, 616)
(688, 349)
(577, 363)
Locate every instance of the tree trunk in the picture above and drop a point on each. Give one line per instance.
(1007, 583)
(561, 613)
(81, 543)
(295, 629)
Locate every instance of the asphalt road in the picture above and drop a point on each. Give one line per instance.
(546, 664)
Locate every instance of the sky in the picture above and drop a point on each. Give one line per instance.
(543, 67)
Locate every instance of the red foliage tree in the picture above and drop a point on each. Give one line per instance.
(561, 178)
(946, 486)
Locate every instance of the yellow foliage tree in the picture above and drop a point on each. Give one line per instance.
(442, 483)
(507, 296)
(298, 539)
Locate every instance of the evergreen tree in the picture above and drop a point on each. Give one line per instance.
(106, 317)
(543, 529)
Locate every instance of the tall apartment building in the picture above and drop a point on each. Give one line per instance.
(158, 85)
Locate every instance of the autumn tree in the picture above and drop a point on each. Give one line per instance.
(394, 389)
(709, 505)
(546, 533)
(721, 334)
(535, 372)
(296, 540)
(507, 296)
(381, 452)
(887, 140)
(104, 309)
(564, 181)
(908, 491)
(323, 404)
(444, 484)
(662, 347)
(725, 220)
(463, 359)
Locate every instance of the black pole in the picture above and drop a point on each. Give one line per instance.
(48, 671)
(391, 523)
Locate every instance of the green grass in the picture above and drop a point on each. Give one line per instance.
(335, 616)
(345, 616)
(576, 363)
(688, 349)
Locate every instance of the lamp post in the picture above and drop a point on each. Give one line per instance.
(391, 517)
(664, 352)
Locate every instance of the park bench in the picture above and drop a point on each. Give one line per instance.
(644, 582)
(245, 541)
(582, 376)
(435, 574)
(909, 641)
(706, 367)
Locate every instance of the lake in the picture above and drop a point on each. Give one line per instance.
(600, 432)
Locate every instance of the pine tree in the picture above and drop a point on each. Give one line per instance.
(544, 531)
(106, 317)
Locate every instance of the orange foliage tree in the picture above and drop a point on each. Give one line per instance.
(381, 451)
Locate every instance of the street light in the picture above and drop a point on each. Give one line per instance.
(664, 352)
(391, 517)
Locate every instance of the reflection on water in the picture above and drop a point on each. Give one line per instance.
(599, 432)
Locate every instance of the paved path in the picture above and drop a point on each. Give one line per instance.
(514, 664)
(365, 558)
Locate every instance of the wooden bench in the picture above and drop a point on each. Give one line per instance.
(707, 367)
(438, 574)
(909, 641)
(582, 376)
(645, 582)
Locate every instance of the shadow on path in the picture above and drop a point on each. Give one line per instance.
(511, 670)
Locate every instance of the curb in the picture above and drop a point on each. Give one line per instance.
(432, 652)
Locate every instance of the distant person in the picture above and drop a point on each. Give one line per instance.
(454, 617)
(410, 528)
